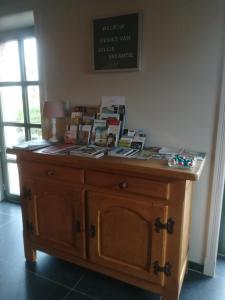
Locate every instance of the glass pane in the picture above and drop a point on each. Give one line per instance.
(12, 104)
(30, 54)
(34, 104)
(36, 133)
(13, 177)
(13, 135)
(9, 61)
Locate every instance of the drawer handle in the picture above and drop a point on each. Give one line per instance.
(123, 185)
(50, 173)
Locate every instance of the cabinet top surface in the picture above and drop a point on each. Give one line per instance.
(151, 167)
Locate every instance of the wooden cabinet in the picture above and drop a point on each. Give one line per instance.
(128, 219)
(58, 216)
(122, 235)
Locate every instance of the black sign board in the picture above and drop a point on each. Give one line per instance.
(116, 42)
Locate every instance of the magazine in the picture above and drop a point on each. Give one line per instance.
(143, 155)
(59, 148)
(91, 151)
(32, 145)
(120, 151)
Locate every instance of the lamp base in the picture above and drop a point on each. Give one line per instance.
(53, 139)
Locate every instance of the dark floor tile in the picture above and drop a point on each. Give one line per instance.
(10, 208)
(220, 267)
(4, 219)
(197, 286)
(18, 284)
(74, 295)
(11, 242)
(56, 269)
(49, 277)
(106, 288)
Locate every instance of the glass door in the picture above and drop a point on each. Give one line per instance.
(20, 117)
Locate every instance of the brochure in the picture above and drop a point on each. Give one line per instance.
(84, 134)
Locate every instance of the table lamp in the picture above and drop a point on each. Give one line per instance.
(53, 110)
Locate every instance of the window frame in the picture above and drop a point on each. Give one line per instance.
(18, 35)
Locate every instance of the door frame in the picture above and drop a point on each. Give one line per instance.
(217, 189)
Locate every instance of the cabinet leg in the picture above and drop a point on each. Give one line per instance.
(170, 296)
(30, 253)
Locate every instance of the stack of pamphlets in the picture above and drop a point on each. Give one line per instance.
(91, 151)
(32, 145)
(122, 152)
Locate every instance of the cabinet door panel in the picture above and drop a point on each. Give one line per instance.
(59, 216)
(125, 238)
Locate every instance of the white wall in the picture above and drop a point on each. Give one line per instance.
(174, 96)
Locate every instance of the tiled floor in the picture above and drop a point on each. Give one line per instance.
(51, 278)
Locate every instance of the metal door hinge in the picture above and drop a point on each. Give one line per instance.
(167, 226)
(165, 269)
(26, 193)
(92, 231)
(29, 227)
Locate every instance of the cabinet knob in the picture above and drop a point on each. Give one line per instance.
(92, 231)
(50, 173)
(123, 185)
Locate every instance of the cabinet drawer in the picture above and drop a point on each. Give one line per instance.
(129, 184)
(52, 172)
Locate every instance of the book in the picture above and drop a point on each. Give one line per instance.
(91, 151)
(32, 144)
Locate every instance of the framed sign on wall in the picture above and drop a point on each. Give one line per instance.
(116, 43)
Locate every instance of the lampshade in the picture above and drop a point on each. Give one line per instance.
(53, 109)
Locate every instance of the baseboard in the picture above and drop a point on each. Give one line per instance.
(195, 267)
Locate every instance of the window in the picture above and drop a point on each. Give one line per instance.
(20, 116)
